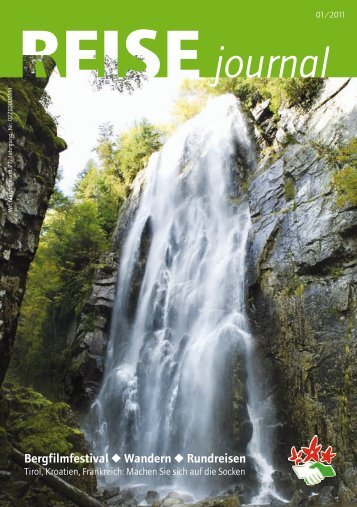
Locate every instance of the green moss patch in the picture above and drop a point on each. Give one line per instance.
(29, 116)
(39, 426)
(344, 180)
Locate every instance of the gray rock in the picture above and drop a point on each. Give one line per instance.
(324, 497)
(24, 195)
(345, 494)
(262, 111)
(350, 478)
(90, 339)
(171, 502)
(125, 498)
(298, 499)
(185, 497)
(281, 136)
(331, 121)
(301, 275)
(152, 496)
(110, 493)
(285, 483)
(89, 345)
(219, 501)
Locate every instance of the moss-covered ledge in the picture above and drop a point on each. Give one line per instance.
(38, 426)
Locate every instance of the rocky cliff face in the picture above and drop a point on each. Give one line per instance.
(89, 344)
(25, 188)
(302, 270)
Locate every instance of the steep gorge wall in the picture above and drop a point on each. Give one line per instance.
(302, 274)
(24, 194)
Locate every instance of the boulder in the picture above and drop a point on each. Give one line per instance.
(219, 501)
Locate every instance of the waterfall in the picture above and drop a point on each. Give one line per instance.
(179, 317)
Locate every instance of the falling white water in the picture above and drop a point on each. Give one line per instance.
(262, 416)
(179, 314)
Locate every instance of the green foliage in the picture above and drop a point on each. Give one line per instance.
(249, 91)
(38, 425)
(103, 188)
(76, 232)
(135, 148)
(344, 180)
(347, 154)
(302, 91)
(58, 285)
(30, 117)
(289, 188)
(193, 97)
(120, 161)
(184, 109)
(289, 92)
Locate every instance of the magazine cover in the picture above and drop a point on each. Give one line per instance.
(178, 192)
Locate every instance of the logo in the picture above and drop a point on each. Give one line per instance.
(311, 463)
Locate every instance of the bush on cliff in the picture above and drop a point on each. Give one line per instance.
(345, 179)
(289, 92)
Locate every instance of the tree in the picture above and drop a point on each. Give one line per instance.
(59, 283)
(134, 149)
(76, 232)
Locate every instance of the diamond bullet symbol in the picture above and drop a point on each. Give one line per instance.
(179, 458)
(116, 458)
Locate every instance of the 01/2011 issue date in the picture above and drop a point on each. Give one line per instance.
(330, 14)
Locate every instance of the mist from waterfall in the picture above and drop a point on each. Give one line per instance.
(179, 319)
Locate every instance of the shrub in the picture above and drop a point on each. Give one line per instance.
(134, 149)
(344, 180)
(289, 92)
(302, 91)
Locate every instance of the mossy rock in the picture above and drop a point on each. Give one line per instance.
(223, 501)
(39, 426)
(29, 116)
(5, 447)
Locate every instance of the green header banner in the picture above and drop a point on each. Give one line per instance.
(209, 39)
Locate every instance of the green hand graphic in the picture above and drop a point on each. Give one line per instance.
(313, 472)
(326, 470)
